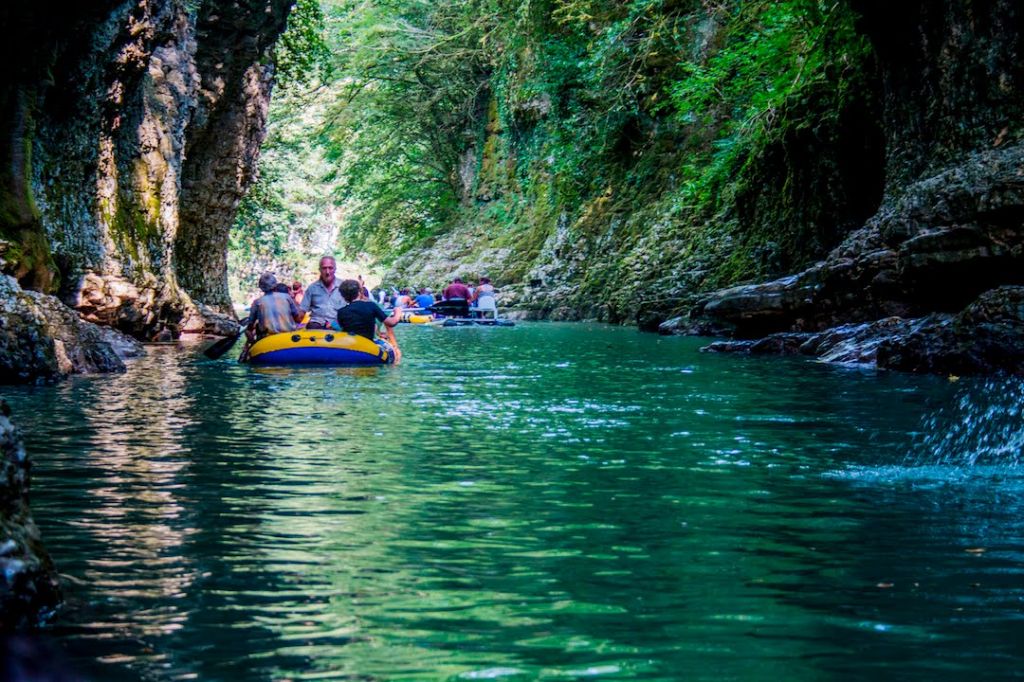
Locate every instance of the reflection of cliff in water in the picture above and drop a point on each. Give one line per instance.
(155, 533)
(981, 426)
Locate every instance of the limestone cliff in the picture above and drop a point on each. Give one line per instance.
(951, 227)
(890, 190)
(130, 130)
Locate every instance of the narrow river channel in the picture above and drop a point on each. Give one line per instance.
(550, 501)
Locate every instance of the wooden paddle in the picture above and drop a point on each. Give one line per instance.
(243, 357)
(227, 343)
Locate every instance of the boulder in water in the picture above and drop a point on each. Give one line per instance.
(986, 337)
(41, 339)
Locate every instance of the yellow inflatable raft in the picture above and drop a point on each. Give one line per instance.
(319, 347)
(416, 318)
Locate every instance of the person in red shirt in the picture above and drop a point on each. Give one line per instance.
(456, 290)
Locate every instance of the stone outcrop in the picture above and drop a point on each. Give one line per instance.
(943, 242)
(145, 303)
(29, 591)
(41, 339)
(130, 131)
(983, 338)
(946, 241)
(894, 293)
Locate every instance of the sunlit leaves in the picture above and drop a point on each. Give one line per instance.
(584, 94)
(301, 55)
(413, 75)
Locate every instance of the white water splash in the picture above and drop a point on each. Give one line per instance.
(983, 427)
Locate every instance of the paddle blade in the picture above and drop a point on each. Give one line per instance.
(221, 347)
(450, 307)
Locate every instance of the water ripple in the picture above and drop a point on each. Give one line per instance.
(543, 502)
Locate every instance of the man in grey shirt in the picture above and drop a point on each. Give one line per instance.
(322, 298)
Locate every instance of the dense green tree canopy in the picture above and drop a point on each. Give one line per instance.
(397, 119)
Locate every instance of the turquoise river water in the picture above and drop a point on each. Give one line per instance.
(550, 501)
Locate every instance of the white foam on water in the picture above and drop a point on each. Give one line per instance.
(978, 438)
(933, 476)
(983, 426)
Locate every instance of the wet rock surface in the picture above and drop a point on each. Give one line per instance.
(945, 241)
(855, 344)
(41, 339)
(986, 337)
(29, 591)
(925, 257)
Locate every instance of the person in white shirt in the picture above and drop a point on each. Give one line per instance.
(322, 298)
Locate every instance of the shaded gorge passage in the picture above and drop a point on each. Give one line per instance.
(507, 507)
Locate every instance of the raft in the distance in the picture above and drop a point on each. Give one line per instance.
(474, 322)
(452, 313)
(318, 347)
(417, 318)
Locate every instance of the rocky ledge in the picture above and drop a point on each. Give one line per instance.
(28, 581)
(148, 308)
(41, 339)
(931, 283)
(985, 337)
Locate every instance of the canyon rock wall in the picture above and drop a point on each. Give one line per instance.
(628, 216)
(131, 130)
(949, 236)
(951, 75)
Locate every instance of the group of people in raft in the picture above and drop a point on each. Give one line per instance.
(481, 297)
(345, 305)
